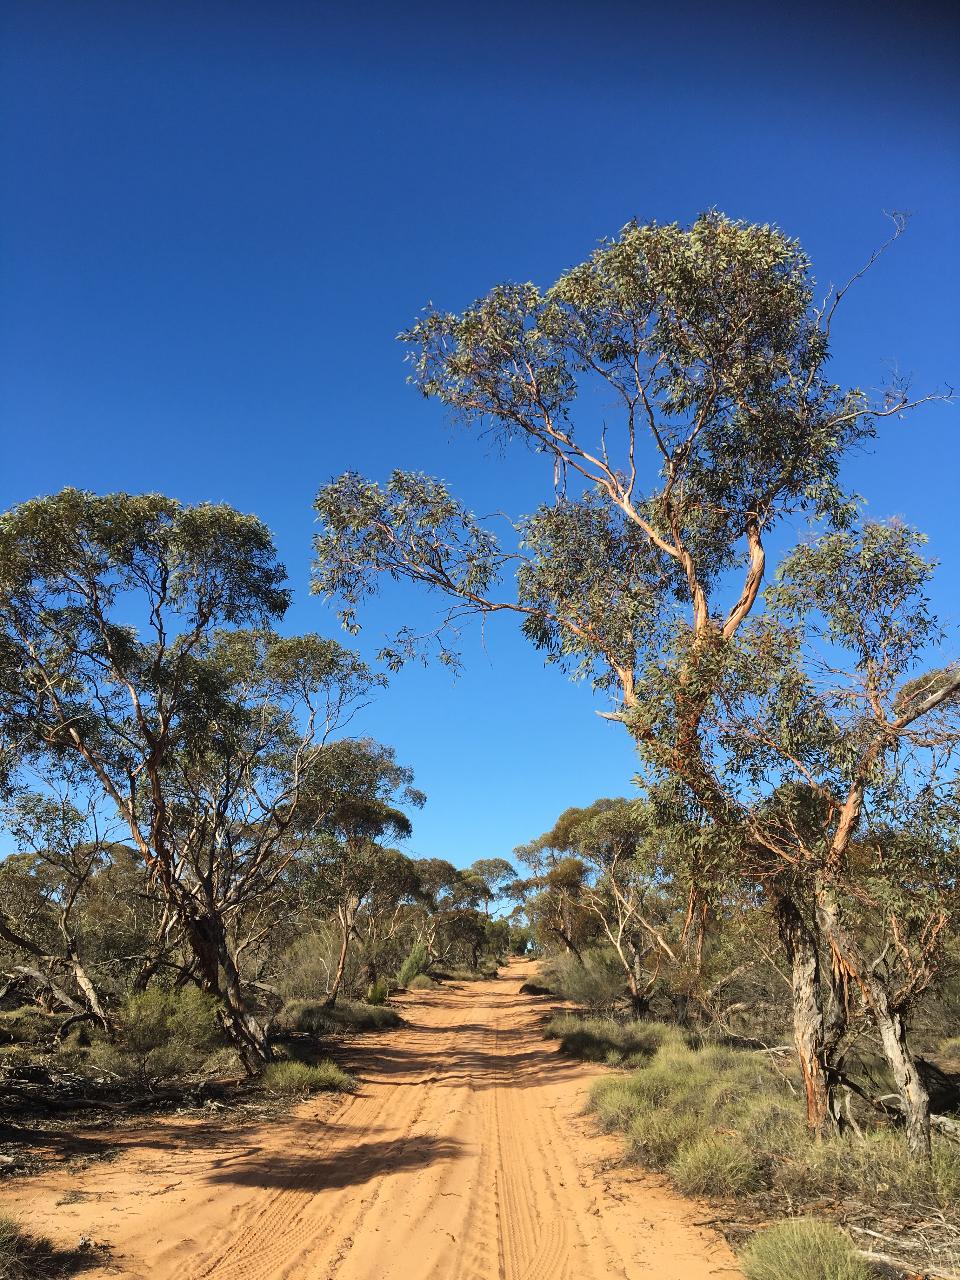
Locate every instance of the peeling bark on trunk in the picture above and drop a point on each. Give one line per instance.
(346, 917)
(910, 1086)
(83, 981)
(914, 1096)
(808, 1020)
(209, 945)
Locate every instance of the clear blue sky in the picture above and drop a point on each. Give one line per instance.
(216, 217)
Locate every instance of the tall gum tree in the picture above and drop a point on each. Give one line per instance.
(649, 557)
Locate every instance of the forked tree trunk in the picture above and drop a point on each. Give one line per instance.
(219, 977)
(809, 1030)
(914, 1096)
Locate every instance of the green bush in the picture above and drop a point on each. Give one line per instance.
(378, 992)
(772, 1123)
(657, 1136)
(715, 1165)
(876, 1167)
(312, 1017)
(722, 1122)
(801, 1249)
(414, 964)
(27, 1025)
(597, 983)
(611, 1041)
(303, 1077)
(422, 982)
(161, 1035)
(455, 974)
(310, 961)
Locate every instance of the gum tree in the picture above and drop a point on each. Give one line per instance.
(676, 386)
(624, 888)
(830, 696)
(353, 805)
(138, 657)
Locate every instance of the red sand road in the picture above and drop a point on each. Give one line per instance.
(466, 1155)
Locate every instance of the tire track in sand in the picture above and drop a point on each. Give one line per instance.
(464, 1157)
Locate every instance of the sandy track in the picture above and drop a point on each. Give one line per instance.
(465, 1156)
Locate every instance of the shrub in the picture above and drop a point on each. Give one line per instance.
(876, 1167)
(422, 982)
(454, 973)
(26, 1025)
(607, 1040)
(414, 964)
(801, 1249)
(597, 983)
(14, 1251)
(161, 1034)
(378, 992)
(303, 1077)
(715, 1165)
(616, 1101)
(312, 1017)
(772, 1123)
(657, 1136)
(310, 962)
(24, 1256)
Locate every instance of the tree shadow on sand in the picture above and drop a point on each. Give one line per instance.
(348, 1167)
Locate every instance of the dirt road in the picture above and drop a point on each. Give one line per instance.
(465, 1156)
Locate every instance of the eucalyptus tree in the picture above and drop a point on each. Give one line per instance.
(626, 888)
(493, 878)
(676, 386)
(553, 899)
(357, 792)
(832, 696)
(62, 851)
(138, 657)
(438, 884)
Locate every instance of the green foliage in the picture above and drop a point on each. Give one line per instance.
(27, 1025)
(312, 1017)
(306, 965)
(415, 963)
(737, 416)
(715, 1165)
(608, 1040)
(656, 1136)
(596, 982)
(378, 992)
(876, 1167)
(303, 1078)
(162, 1034)
(720, 1122)
(803, 1249)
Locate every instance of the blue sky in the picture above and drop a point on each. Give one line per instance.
(216, 217)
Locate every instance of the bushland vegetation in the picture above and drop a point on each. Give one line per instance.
(201, 873)
(785, 880)
(203, 865)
